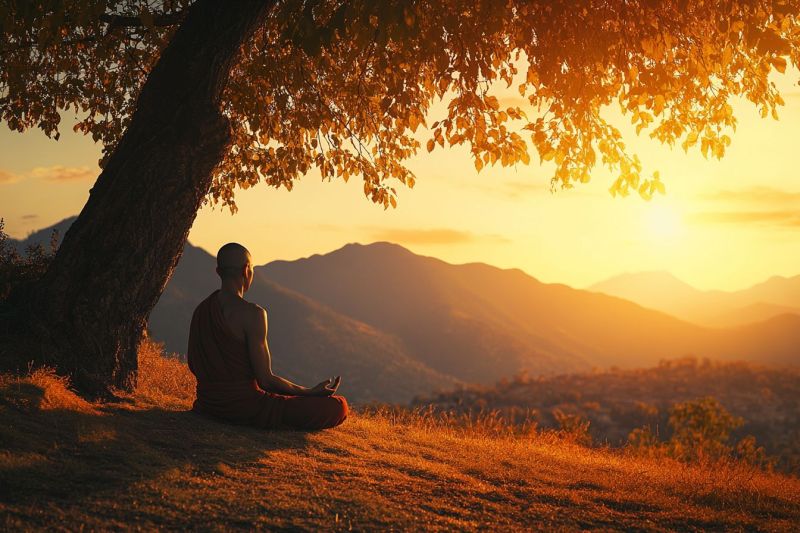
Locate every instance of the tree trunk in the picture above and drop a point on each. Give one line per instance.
(91, 307)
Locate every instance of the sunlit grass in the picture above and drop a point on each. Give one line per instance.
(146, 462)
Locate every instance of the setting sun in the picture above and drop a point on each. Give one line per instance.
(663, 222)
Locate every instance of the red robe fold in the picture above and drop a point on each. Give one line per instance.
(226, 384)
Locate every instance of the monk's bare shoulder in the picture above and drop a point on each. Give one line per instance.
(256, 316)
(255, 309)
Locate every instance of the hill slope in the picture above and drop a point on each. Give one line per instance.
(664, 292)
(308, 341)
(149, 464)
(482, 323)
(432, 306)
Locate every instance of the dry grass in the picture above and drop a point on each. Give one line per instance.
(147, 463)
(163, 381)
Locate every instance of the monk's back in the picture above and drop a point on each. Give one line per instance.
(227, 388)
(216, 351)
(226, 385)
(236, 312)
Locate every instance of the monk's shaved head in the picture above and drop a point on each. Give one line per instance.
(231, 258)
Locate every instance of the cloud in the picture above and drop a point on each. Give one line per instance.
(782, 218)
(515, 189)
(61, 173)
(434, 236)
(7, 177)
(29, 217)
(755, 195)
(52, 173)
(769, 206)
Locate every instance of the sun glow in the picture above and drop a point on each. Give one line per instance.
(663, 222)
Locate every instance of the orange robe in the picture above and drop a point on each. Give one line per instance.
(226, 384)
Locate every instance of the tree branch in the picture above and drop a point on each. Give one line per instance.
(160, 20)
(115, 22)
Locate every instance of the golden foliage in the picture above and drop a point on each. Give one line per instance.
(701, 429)
(343, 87)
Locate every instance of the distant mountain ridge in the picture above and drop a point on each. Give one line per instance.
(481, 323)
(664, 292)
(414, 298)
(397, 325)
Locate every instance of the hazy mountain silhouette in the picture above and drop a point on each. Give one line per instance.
(432, 306)
(758, 312)
(43, 236)
(778, 290)
(664, 292)
(308, 341)
(480, 323)
(396, 324)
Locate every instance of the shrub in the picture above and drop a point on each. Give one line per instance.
(700, 433)
(748, 451)
(16, 268)
(701, 430)
(642, 441)
(574, 427)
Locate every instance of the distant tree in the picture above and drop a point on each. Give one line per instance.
(192, 99)
(701, 430)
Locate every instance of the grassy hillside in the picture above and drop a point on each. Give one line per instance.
(146, 462)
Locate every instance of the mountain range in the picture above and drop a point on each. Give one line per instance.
(662, 291)
(480, 323)
(397, 325)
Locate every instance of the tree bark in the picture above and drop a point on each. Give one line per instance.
(91, 307)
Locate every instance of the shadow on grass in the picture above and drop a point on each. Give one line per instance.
(68, 454)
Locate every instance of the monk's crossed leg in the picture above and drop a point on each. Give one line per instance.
(314, 412)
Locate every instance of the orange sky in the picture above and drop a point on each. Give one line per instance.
(722, 224)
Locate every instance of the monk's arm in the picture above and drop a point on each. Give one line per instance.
(258, 349)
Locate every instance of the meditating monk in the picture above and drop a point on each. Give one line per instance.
(229, 356)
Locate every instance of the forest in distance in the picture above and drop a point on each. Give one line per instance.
(616, 402)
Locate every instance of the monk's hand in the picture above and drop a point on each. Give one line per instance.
(327, 387)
